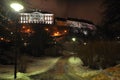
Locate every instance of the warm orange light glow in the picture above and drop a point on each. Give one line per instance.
(23, 27)
(65, 31)
(28, 30)
(46, 29)
(8, 40)
(1, 38)
(56, 34)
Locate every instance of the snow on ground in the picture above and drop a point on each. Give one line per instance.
(80, 70)
(112, 73)
(69, 68)
(62, 69)
(37, 65)
(75, 61)
(41, 65)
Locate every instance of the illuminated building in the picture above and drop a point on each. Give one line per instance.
(80, 23)
(37, 17)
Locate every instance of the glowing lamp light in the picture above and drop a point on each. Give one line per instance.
(74, 39)
(84, 43)
(23, 27)
(16, 6)
(85, 32)
(65, 31)
(28, 30)
(47, 29)
(56, 34)
(2, 39)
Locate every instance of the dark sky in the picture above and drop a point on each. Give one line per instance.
(83, 9)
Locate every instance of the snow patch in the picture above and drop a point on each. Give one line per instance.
(22, 76)
(75, 61)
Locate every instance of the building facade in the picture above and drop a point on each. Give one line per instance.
(37, 17)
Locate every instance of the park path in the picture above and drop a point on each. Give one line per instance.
(58, 72)
(59, 68)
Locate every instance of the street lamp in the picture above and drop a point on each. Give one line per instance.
(74, 45)
(16, 7)
(73, 39)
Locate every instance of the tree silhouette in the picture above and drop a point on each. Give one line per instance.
(111, 20)
(7, 29)
(39, 40)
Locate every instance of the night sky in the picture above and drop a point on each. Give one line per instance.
(81, 9)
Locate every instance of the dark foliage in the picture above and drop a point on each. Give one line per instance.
(7, 30)
(111, 20)
(39, 41)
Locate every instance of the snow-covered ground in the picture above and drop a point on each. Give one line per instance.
(37, 65)
(75, 67)
(69, 68)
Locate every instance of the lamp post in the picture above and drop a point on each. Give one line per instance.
(16, 7)
(74, 45)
